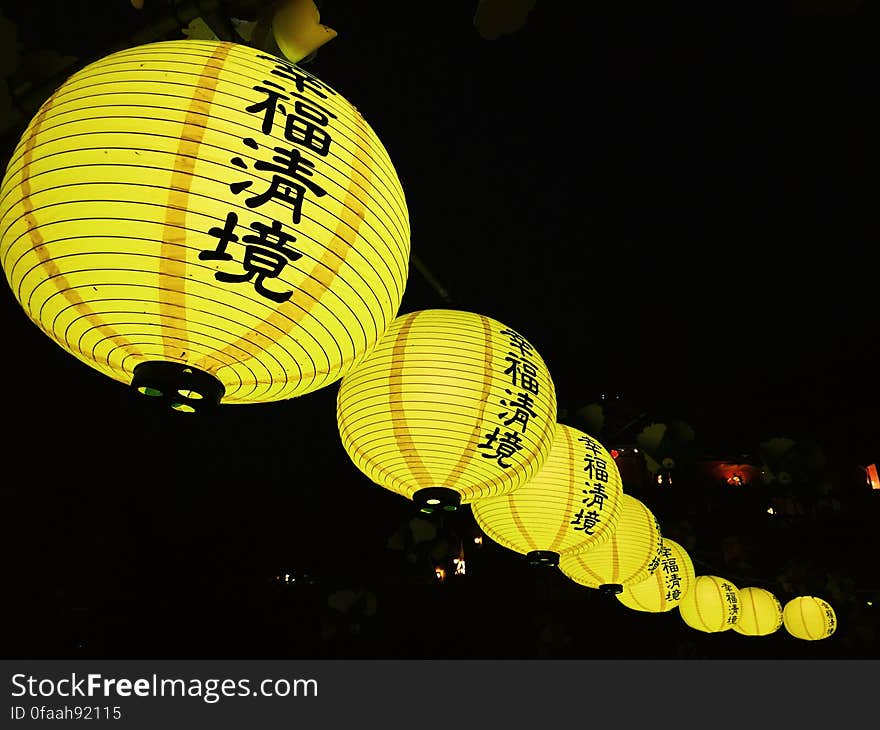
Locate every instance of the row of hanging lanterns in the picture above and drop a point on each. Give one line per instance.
(440, 385)
(451, 407)
(209, 224)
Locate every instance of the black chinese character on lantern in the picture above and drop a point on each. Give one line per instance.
(302, 80)
(585, 520)
(520, 342)
(523, 371)
(596, 468)
(303, 126)
(590, 445)
(288, 187)
(523, 410)
(265, 256)
(595, 496)
(504, 444)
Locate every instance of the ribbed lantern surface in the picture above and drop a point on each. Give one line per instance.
(450, 401)
(712, 605)
(809, 618)
(760, 612)
(205, 206)
(572, 504)
(629, 556)
(663, 590)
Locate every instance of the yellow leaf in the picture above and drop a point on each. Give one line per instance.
(298, 31)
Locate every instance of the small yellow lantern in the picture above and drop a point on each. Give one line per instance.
(760, 612)
(809, 618)
(631, 555)
(205, 222)
(449, 408)
(663, 590)
(712, 605)
(572, 504)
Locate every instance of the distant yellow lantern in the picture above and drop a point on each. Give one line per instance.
(809, 618)
(198, 216)
(712, 605)
(663, 590)
(449, 408)
(572, 504)
(629, 556)
(760, 612)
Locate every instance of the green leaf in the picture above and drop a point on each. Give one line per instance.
(199, 30)
(680, 431)
(592, 417)
(342, 600)
(422, 530)
(652, 465)
(440, 550)
(650, 437)
(10, 47)
(776, 448)
(501, 17)
(10, 117)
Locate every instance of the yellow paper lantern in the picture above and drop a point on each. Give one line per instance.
(760, 612)
(197, 215)
(572, 504)
(712, 605)
(449, 408)
(663, 590)
(629, 556)
(809, 618)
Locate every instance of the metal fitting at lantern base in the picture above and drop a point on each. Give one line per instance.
(546, 558)
(437, 499)
(177, 386)
(611, 589)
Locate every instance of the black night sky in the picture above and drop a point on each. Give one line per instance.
(676, 208)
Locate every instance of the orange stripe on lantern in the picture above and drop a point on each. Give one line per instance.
(53, 273)
(804, 621)
(586, 568)
(615, 560)
(565, 523)
(172, 265)
(315, 284)
(656, 537)
(721, 603)
(468, 453)
(699, 612)
(751, 598)
(406, 445)
(520, 525)
(661, 586)
(641, 605)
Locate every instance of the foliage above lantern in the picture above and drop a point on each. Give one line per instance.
(572, 504)
(760, 612)
(449, 408)
(631, 555)
(663, 590)
(809, 618)
(193, 213)
(712, 605)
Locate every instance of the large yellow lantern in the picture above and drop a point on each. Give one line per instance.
(572, 504)
(449, 408)
(809, 618)
(663, 590)
(712, 605)
(760, 612)
(629, 556)
(200, 217)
